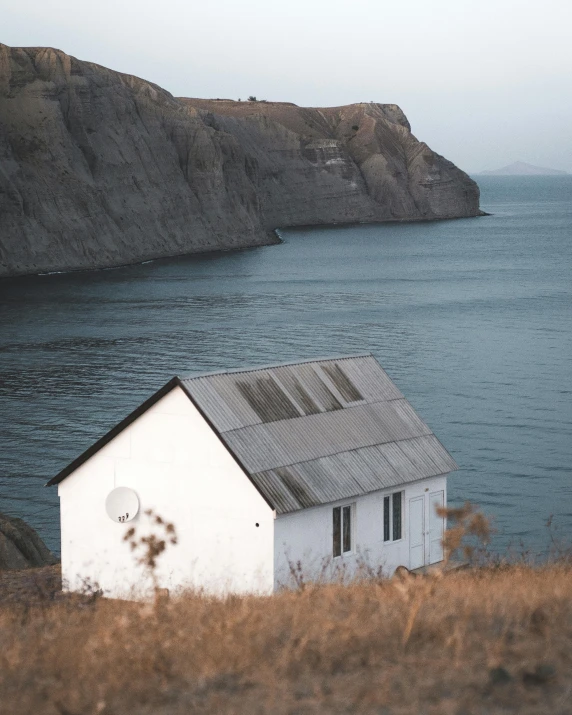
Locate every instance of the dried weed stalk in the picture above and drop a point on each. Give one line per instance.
(149, 547)
(470, 534)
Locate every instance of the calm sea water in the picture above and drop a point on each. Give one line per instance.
(471, 318)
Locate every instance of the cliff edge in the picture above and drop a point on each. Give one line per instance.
(99, 168)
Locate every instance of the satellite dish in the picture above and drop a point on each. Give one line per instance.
(122, 504)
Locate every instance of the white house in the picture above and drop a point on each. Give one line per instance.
(320, 463)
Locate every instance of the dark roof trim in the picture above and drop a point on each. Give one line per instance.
(143, 407)
(173, 382)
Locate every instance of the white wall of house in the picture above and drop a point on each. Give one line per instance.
(306, 537)
(178, 467)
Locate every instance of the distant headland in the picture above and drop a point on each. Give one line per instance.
(99, 168)
(521, 168)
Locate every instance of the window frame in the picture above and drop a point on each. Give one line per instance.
(352, 507)
(388, 517)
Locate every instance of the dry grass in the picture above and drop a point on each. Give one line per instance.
(477, 641)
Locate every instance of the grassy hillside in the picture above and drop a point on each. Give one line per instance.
(492, 640)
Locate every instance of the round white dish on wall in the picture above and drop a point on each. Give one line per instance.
(122, 504)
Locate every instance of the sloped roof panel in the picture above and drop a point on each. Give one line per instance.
(276, 492)
(428, 454)
(400, 463)
(277, 444)
(345, 475)
(308, 389)
(267, 397)
(370, 379)
(218, 404)
(315, 432)
(310, 386)
(409, 417)
(220, 399)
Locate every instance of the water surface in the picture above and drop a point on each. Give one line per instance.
(471, 318)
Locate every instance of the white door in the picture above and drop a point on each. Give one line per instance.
(436, 501)
(416, 532)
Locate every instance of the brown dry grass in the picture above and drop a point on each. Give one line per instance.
(476, 641)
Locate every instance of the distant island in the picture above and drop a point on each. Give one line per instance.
(521, 168)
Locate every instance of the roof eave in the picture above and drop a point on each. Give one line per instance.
(396, 487)
(119, 427)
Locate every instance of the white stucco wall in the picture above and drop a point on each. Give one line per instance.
(306, 536)
(179, 468)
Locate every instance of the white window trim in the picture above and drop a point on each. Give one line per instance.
(390, 495)
(352, 550)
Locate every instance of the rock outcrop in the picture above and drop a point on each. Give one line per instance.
(21, 547)
(99, 168)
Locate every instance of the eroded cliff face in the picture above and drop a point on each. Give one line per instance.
(342, 164)
(98, 168)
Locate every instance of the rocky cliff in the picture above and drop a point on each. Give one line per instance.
(98, 168)
(341, 164)
(20, 546)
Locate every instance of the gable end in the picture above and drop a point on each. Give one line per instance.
(143, 407)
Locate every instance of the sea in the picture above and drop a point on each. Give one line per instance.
(471, 318)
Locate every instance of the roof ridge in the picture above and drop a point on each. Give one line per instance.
(273, 366)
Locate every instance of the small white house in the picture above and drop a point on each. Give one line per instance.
(321, 465)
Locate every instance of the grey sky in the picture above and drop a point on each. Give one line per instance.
(484, 83)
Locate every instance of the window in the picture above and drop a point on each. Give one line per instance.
(342, 529)
(392, 520)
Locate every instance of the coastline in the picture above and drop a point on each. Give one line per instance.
(273, 235)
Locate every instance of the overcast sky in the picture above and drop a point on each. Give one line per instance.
(484, 82)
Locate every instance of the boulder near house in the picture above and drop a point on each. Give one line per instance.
(323, 463)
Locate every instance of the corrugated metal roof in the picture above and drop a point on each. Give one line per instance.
(348, 474)
(275, 444)
(316, 432)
